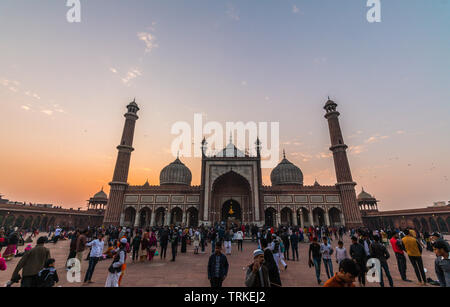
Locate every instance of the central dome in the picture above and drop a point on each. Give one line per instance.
(175, 173)
(286, 173)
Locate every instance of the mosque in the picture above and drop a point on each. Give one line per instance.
(231, 189)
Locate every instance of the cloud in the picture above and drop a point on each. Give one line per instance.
(376, 138)
(131, 75)
(232, 12)
(113, 70)
(149, 41)
(400, 132)
(357, 149)
(295, 9)
(26, 108)
(48, 112)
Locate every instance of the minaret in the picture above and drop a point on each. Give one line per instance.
(119, 183)
(345, 183)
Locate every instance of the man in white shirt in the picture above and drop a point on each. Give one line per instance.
(96, 254)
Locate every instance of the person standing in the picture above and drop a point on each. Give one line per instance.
(341, 252)
(135, 245)
(257, 272)
(239, 239)
(31, 263)
(398, 248)
(163, 242)
(359, 256)
(95, 255)
(326, 250)
(315, 258)
(414, 251)
(81, 246)
(285, 239)
(294, 245)
(115, 269)
(272, 267)
(379, 251)
(174, 243)
(217, 267)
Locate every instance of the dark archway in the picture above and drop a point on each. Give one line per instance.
(442, 225)
(448, 222)
(424, 223)
(192, 217)
(335, 217)
(19, 221)
(144, 217)
(28, 222)
(176, 216)
(433, 225)
(160, 216)
(9, 221)
(319, 217)
(286, 217)
(44, 223)
(417, 225)
(130, 215)
(37, 222)
(270, 217)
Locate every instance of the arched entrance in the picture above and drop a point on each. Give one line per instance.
(160, 216)
(270, 217)
(424, 223)
(286, 217)
(192, 217)
(434, 226)
(176, 216)
(417, 224)
(231, 191)
(319, 217)
(130, 215)
(144, 217)
(335, 217)
(442, 225)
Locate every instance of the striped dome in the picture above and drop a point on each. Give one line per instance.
(175, 173)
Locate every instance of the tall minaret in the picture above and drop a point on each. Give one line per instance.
(119, 183)
(345, 183)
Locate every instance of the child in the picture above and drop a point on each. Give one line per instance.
(48, 276)
(341, 252)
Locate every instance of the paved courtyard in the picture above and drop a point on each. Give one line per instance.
(189, 270)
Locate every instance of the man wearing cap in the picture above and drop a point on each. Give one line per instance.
(217, 267)
(257, 272)
(116, 270)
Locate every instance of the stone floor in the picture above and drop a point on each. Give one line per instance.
(189, 270)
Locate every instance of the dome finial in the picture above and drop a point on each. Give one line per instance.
(284, 154)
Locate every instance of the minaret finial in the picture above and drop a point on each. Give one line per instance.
(284, 154)
(231, 138)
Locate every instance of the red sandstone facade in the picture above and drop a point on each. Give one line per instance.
(231, 188)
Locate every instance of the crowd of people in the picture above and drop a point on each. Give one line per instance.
(274, 248)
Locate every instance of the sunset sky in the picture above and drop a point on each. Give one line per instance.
(64, 87)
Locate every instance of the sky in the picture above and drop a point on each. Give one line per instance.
(64, 87)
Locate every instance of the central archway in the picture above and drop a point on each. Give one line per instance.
(231, 191)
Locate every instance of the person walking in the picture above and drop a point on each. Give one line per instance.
(31, 263)
(95, 255)
(257, 275)
(174, 243)
(163, 242)
(315, 257)
(227, 242)
(326, 250)
(341, 252)
(217, 267)
(414, 251)
(272, 267)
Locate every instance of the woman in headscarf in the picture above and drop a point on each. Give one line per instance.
(11, 248)
(145, 246)
(153, 242)
(184, 241)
